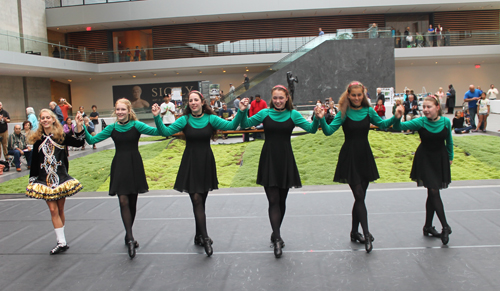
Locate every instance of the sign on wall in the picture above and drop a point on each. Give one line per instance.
(143, 96)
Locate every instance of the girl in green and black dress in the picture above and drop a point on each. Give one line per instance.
(356, 164)
(431, 164)
(197, 174)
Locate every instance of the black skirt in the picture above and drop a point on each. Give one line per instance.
(356, 163)
(127, 170)
(197, 172)
(431, 165)
(277, 167)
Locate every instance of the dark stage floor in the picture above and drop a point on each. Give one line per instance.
(318, 253)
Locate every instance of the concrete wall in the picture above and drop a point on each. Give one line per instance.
(13, 95)
(433, 77)
(326, 70)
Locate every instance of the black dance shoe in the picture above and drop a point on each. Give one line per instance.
(356, 236)
(278, 245)
(431, 231)
(59, 249)
(136, 244)
(131, 249)
(207, 244)
(282, 241)
(445, 234)
(198, 240)
(368, 242)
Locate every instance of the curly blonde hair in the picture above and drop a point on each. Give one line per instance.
(344, 101)
(57, 129)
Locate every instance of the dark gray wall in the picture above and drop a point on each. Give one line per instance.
(327, 70)
(14, 91)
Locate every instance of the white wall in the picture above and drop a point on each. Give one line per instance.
(101, 93)
(433, 77)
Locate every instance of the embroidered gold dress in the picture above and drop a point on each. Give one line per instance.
(49, 178)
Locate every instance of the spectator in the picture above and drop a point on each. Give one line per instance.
(143, 54)
(492, 93)
(27, 127)
(471, 97)
(331, 112)
(217, 105)
(82, 112)
(408, 39)
(137, 53)
(246, 82)
(18, 147)
(65, 107)
(94, 117)
(257, 105)
(57, 111)
(447, 34)
(167, 110)
(4, 130)
(458, 124)
(405, 95)
(380, 95)
(226, 114)
(90, 128)
(236, 103)
(483, 112)
(450, 99)
(430, 36)
(373, 31)
(56, 53)
(30, 112)
(321, 32)
(397, 102)
(411, 108)
(419, 40)
(441, 98)
(380, 108)
(69, 127)
(128, 55)
(439, 37)
(222, 96)
(231, 90)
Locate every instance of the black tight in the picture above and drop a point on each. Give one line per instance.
(128, 208)
(359, 212)
(434, 204)
(200, 219)
(277, 207)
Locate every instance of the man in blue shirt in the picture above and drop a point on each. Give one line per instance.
(57, 111)
(471, 97)
(321, 32)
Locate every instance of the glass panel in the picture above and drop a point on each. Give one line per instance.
(71, 2)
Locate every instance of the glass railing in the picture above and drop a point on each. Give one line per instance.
(64, 3)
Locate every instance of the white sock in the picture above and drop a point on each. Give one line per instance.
(61, 239)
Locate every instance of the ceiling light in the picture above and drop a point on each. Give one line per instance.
(224, 71)
(133, 76)
(246, 70)
(154, 74)
(69, 80)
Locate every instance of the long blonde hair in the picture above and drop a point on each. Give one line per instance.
(57, 129)
(131, 112)
(344, 102)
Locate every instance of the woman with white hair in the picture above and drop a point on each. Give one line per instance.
(30, 112)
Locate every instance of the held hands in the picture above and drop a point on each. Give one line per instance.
(399, 111)
(79, 121)
(319, 112)
(244, 104)
(155, 109)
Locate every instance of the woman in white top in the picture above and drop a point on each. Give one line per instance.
(442, 97)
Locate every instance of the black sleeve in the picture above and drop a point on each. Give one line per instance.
(76, 140)
(35, 163)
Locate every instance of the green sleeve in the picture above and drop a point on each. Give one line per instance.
(449, 140)
(222, 124)
(104, 134)
(146, 129)
(254, 120)
(174, 128)
(414, 124)
(333, 126)
(376, 120)
(301, 122)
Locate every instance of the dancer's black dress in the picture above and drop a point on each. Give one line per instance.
(49, 178)
(197, 172)
(431, 164)
(277, 167)
(127, 170)
(356, 163)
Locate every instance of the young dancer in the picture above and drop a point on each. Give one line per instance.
(277, 169)
(197, 173)
(49, 179)
(356, 164)
(128, 178)
(431, 164)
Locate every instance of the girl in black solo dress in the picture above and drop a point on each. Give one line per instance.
(356, 164)
(277, 169)
(49, 179)
(431, 164)
(197, 174)
(127, 178)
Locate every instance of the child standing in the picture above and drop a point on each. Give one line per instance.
(483, 112)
